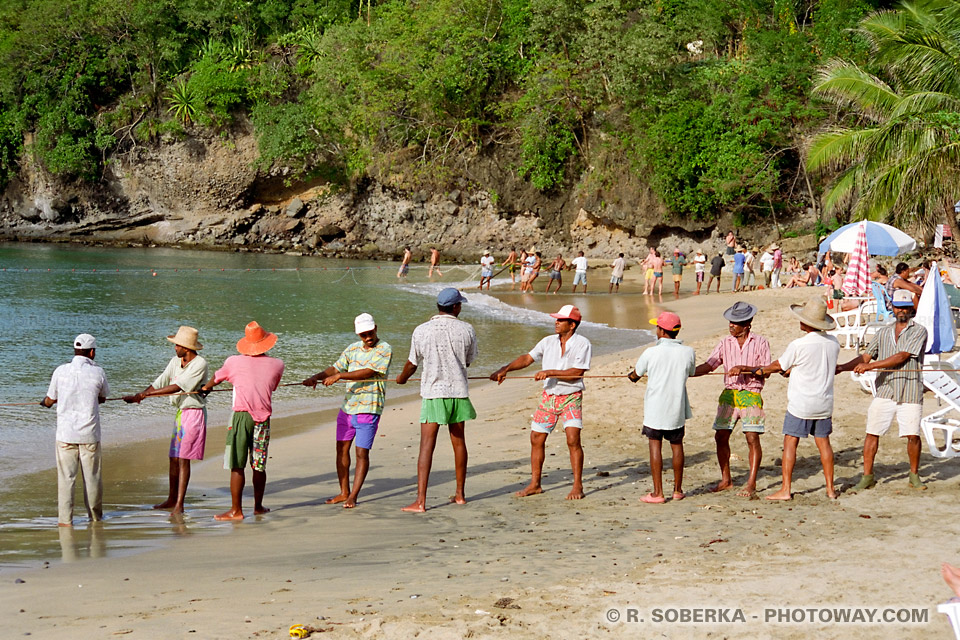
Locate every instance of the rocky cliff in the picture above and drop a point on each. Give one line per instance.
(207, 192)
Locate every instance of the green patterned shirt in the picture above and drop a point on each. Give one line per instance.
(365, 396)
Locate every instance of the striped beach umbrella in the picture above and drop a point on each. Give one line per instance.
(933, 312)
(857, 280)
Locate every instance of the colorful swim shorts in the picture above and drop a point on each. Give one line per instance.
(735, 404)
(360, 427)
(189, 434)
(246, 437)
(552, 409)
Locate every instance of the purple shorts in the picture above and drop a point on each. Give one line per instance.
(189, 434)
(361, 427)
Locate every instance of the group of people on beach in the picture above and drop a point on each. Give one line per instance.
(444, 347)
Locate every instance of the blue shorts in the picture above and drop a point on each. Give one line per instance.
(360, 427)
(580, 277)
(801, 428)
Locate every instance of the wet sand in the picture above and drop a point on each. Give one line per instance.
(541, 566)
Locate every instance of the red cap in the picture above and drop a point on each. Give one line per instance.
(668, 321)
(567, 312)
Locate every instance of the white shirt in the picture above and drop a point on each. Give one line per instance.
(813, 360)
(487, 262)
(576, 355)
(698, 262)
(445, 346)
(580, 263)
(618, 265)
(667, 364)
(766, 261)
(749, 262)
(77, 387)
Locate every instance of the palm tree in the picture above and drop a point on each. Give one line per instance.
(896, 153)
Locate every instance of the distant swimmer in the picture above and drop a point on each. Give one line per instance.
(405, 263)
(78, 388)
(254, 376)
(486, 269)
(556, 273)
(445, 346)
(434, 262)
(566, 357)
(186, 373)
(580, 274)
(364, 364)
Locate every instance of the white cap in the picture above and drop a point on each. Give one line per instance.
(84, 341)
(363, 323)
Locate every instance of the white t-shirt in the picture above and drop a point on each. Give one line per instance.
(77, 387)
(580, 263)
(618, 265)
(575, 356)
(766, 261)
(698, 261)
(813, 360)
(486, 262)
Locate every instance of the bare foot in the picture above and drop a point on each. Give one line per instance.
(679, 495)
(349, 503)
(259, 511)
(951, 575)
(416, 507)
(831, 493)
(177, 508)
(652, 499)
(459, 499)
(529, 490)
(340, 497)
(783, 494)
(576, 493)
(166, 504)
(723, 485)
(230, 515)
(747, 492)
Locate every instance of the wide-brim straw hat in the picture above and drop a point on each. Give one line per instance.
(186, 337)
(256, 340)
(814, 314)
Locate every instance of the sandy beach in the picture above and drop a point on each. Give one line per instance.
(542, 566)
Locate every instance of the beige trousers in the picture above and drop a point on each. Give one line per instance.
(86, 459)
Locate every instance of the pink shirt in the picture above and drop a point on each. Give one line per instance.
(254, 379)
(755, 352)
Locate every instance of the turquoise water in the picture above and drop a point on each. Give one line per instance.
(51, 293)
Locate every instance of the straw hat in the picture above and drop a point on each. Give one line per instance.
(186, 337)
(256, 340)
(814, 314)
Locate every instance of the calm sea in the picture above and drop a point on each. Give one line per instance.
(131, 299)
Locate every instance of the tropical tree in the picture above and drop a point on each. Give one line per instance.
(896, 153)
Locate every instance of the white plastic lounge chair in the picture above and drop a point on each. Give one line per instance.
(848, 327)
(945, 386)
(952, 611)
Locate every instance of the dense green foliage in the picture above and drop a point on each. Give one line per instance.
(707, 99)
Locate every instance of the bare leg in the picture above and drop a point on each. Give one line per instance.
(237, 481)
(343, 471)
(826, 459)
(576, 462)
(871, 444)
(678, 459)
(184, 481)
(259, 485)
(756, 452)
(789, 459)
(656, 471)
(722, 438)
(537, 455)
(459, 443)
(951, 575)
(428, 442)
(363, 465)
(174, 474)
(913, 453)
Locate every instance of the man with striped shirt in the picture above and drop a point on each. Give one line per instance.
(897, 353)
(740, 398)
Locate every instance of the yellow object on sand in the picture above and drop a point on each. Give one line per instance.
(298, 631)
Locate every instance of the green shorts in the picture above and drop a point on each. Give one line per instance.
(446, 410)
(246, 437)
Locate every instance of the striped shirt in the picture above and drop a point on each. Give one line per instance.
(905, 387)
(754, 353)
(365, 396)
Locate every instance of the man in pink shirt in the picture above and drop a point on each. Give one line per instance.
(254, 377)
(740, 398)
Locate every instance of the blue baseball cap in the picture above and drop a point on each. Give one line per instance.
(449, 297)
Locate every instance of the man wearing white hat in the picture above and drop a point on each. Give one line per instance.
(185, 374)
(364, 366)
(78, 387)
(566, 357)
(486, 269)
(812, 363)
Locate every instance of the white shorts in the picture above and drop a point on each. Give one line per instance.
(580, 277)
(880, 417)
